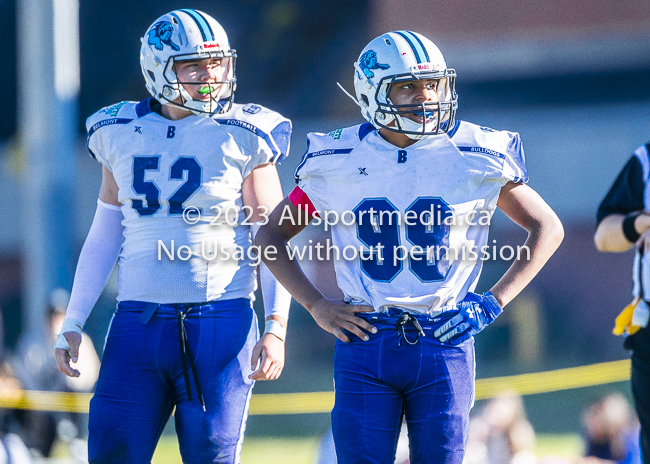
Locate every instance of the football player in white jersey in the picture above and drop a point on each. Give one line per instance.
(187, 175)
(410, 195)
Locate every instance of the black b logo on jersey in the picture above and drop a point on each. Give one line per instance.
(401, 156)
(171, 132)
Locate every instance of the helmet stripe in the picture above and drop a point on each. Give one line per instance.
(411, 44)
(204, 27)
(419, 45)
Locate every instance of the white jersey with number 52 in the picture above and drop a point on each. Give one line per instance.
(196, 164)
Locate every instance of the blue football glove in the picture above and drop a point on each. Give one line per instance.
(475, 313)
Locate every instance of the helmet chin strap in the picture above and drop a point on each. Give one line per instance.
(203, 108)
(413, 126)
(425, 127)
(405, 123)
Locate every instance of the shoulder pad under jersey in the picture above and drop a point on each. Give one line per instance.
(496, 147)
(269, 125)
(321, 147)
(115, 115)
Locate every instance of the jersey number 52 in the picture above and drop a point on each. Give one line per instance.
(151, 191)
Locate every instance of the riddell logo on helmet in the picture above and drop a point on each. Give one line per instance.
(424, 66)
(212, 45)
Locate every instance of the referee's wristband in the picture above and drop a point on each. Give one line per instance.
(628, 227)
(275, 328)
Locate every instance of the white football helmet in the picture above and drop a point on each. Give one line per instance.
(187, 35)
(402, 56)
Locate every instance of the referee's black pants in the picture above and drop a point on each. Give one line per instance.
(639, 343)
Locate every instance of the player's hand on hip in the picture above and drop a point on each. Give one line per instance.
(474, 314)
(335, 316)
(66, 350)
(268, 358)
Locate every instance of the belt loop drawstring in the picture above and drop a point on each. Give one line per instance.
(404, 319)
(185, 351)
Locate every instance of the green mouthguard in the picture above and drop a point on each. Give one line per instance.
(207, 89)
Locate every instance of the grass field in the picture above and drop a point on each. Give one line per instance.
(303, 450)
(255, 451)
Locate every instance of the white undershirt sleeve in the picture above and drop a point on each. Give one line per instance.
(277, 299)
(96, 261)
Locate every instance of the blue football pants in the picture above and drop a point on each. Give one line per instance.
(381, 381)
(141, 381)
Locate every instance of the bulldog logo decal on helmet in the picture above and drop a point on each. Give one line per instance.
(369, 61)
(161, 33)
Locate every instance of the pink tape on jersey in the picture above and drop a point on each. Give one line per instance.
(300, 199)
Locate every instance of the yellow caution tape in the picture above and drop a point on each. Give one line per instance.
(322, 402)
(44, 400)
(556, 380)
